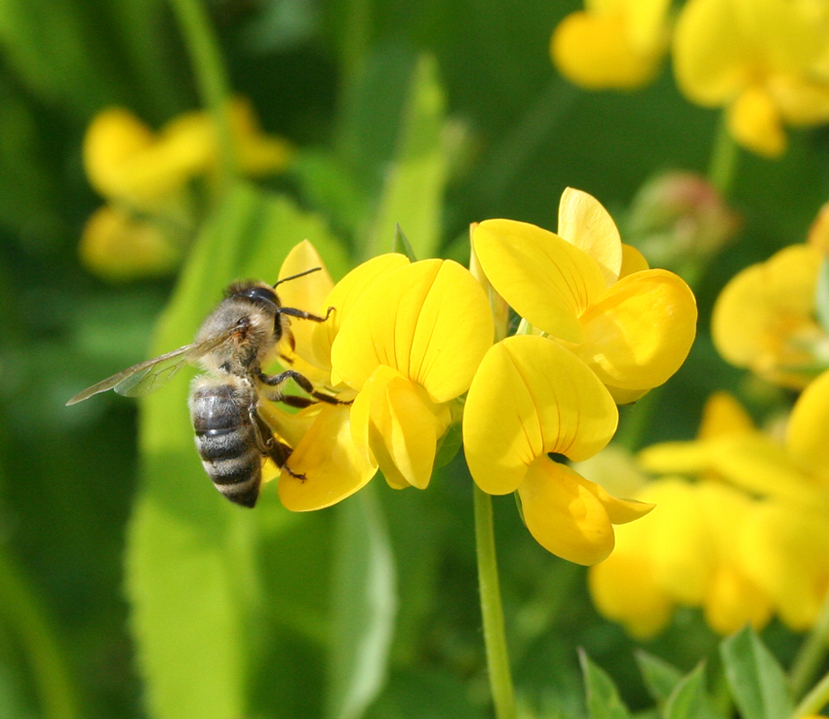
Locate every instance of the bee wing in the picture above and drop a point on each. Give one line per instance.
(148, 376)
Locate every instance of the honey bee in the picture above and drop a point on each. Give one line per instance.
(233, 344)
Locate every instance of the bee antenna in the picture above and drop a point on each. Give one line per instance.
(301, 274)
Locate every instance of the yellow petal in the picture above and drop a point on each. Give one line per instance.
(430, 321)
(755, 122)
(393, 424)
(640, 332)
(257, 153)
(708, 54)
(643, 606)
(333, 467)
(563, 514)
(307, 293)
(764, 315)
(632, 261)
(619, 511)
(626, 396)
(585, 223)
(733, 600)
(807, 433)
(682, 549)
(531, 396)
(118, 246)
(723, 415)
(345, 295)
(786, 556)
(596, 52)
(544, 278)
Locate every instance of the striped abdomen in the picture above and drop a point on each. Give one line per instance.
(225, 438)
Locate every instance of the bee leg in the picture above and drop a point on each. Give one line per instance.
(302, 314)
(277, 379)
(269, 445)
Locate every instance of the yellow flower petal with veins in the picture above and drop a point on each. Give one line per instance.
(544, 278)
(333, 466)
(584, 222)
(529, 397)
(394, 425)
(638, 334)
(345, 295)
(307, 293)
(429, 320)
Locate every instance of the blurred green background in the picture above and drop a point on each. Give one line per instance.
(372, 606)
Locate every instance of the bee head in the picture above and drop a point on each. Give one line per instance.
(260, 294)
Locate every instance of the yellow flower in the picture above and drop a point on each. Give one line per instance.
(126, 161)
(784, 542)
(612, 44)
(582, 287)
(685, 553)
(764, 60)
(531, 397)
(764, 318)
(145, 176)
(401, 344)
(117, 246)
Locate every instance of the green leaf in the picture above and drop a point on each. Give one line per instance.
(191, 554)
(412, 196)
(364, 607)
(757, 682)
(603, 701)
(661, 678)
(689, 699)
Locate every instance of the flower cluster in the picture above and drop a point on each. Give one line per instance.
(765, 62)
(406, 340)
(749, 540)
(145, 177)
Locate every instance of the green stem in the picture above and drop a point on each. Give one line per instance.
(22, 612)
(500, 679)
(814, 701)
(211, 78)
(812, 652)
(722, 168)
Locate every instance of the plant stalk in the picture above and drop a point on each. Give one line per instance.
(500, 678)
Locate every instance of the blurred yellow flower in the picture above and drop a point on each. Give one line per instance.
(612, 44)
(765, 61)
(582, 287)
(764, 319)
(784, 541)
(118, 246)
(145, 176)
(531, 397)
(401, 345)
(688, 552)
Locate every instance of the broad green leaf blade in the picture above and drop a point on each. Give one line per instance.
(413, 193)
(660, 677)
(190, 552)
(364, 607)
(757, 682)
(603, 701)
(690, 700)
